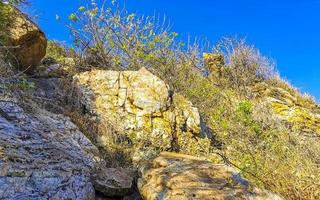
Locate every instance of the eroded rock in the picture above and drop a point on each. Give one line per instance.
(174, 176)
(43, 155)
(141, 107)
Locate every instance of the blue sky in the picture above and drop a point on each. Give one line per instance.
(286, 30)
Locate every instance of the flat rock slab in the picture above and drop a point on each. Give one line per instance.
(174, 176)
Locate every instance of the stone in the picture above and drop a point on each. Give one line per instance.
(174, 176)
(114, 182)
(214, 62)
(43, 155)
(25, 39)
(140, 107)
(289, 106)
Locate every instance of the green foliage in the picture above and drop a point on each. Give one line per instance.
(6, 14)
(112, 38)
(21, 84)
(73, 17)
(82, 8)
(245, 108)
(65, 57)
(56, 51)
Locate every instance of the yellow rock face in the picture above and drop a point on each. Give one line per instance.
(28, 40)
(215, 62)
(174, 176)
(140, 106)
(301, 113)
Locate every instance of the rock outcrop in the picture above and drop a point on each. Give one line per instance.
(43, 155)
(140, 107)
(303, 113)
(174, 176)
(214, 62)
(24, 39)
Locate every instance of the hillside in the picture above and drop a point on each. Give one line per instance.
(129, 112)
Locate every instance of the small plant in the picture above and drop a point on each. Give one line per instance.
(22, 84)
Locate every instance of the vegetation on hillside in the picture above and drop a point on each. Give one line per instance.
(249, 133)
(237, 90)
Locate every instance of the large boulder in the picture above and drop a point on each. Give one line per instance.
(140, 107)
(174, 176)
(26, 41)
(43, 155)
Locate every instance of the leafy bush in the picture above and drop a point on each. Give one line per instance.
(7, 14)
(112, 38)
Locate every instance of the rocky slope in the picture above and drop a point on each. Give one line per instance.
(302, 113)
(85, 138)
(43, 155)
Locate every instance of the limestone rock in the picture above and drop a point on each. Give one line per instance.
(43, 155)
(140, 106)
(214, 62)
(174, 176)
(28, 40)
(114, 182)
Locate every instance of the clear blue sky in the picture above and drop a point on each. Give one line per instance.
(286, 30)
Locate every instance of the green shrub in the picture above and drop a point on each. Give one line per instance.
(56, 51)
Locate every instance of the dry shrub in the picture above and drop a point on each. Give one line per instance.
(245, 65)
(116, 151)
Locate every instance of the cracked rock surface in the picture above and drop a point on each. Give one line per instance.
(43, 155)
(140, 106)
